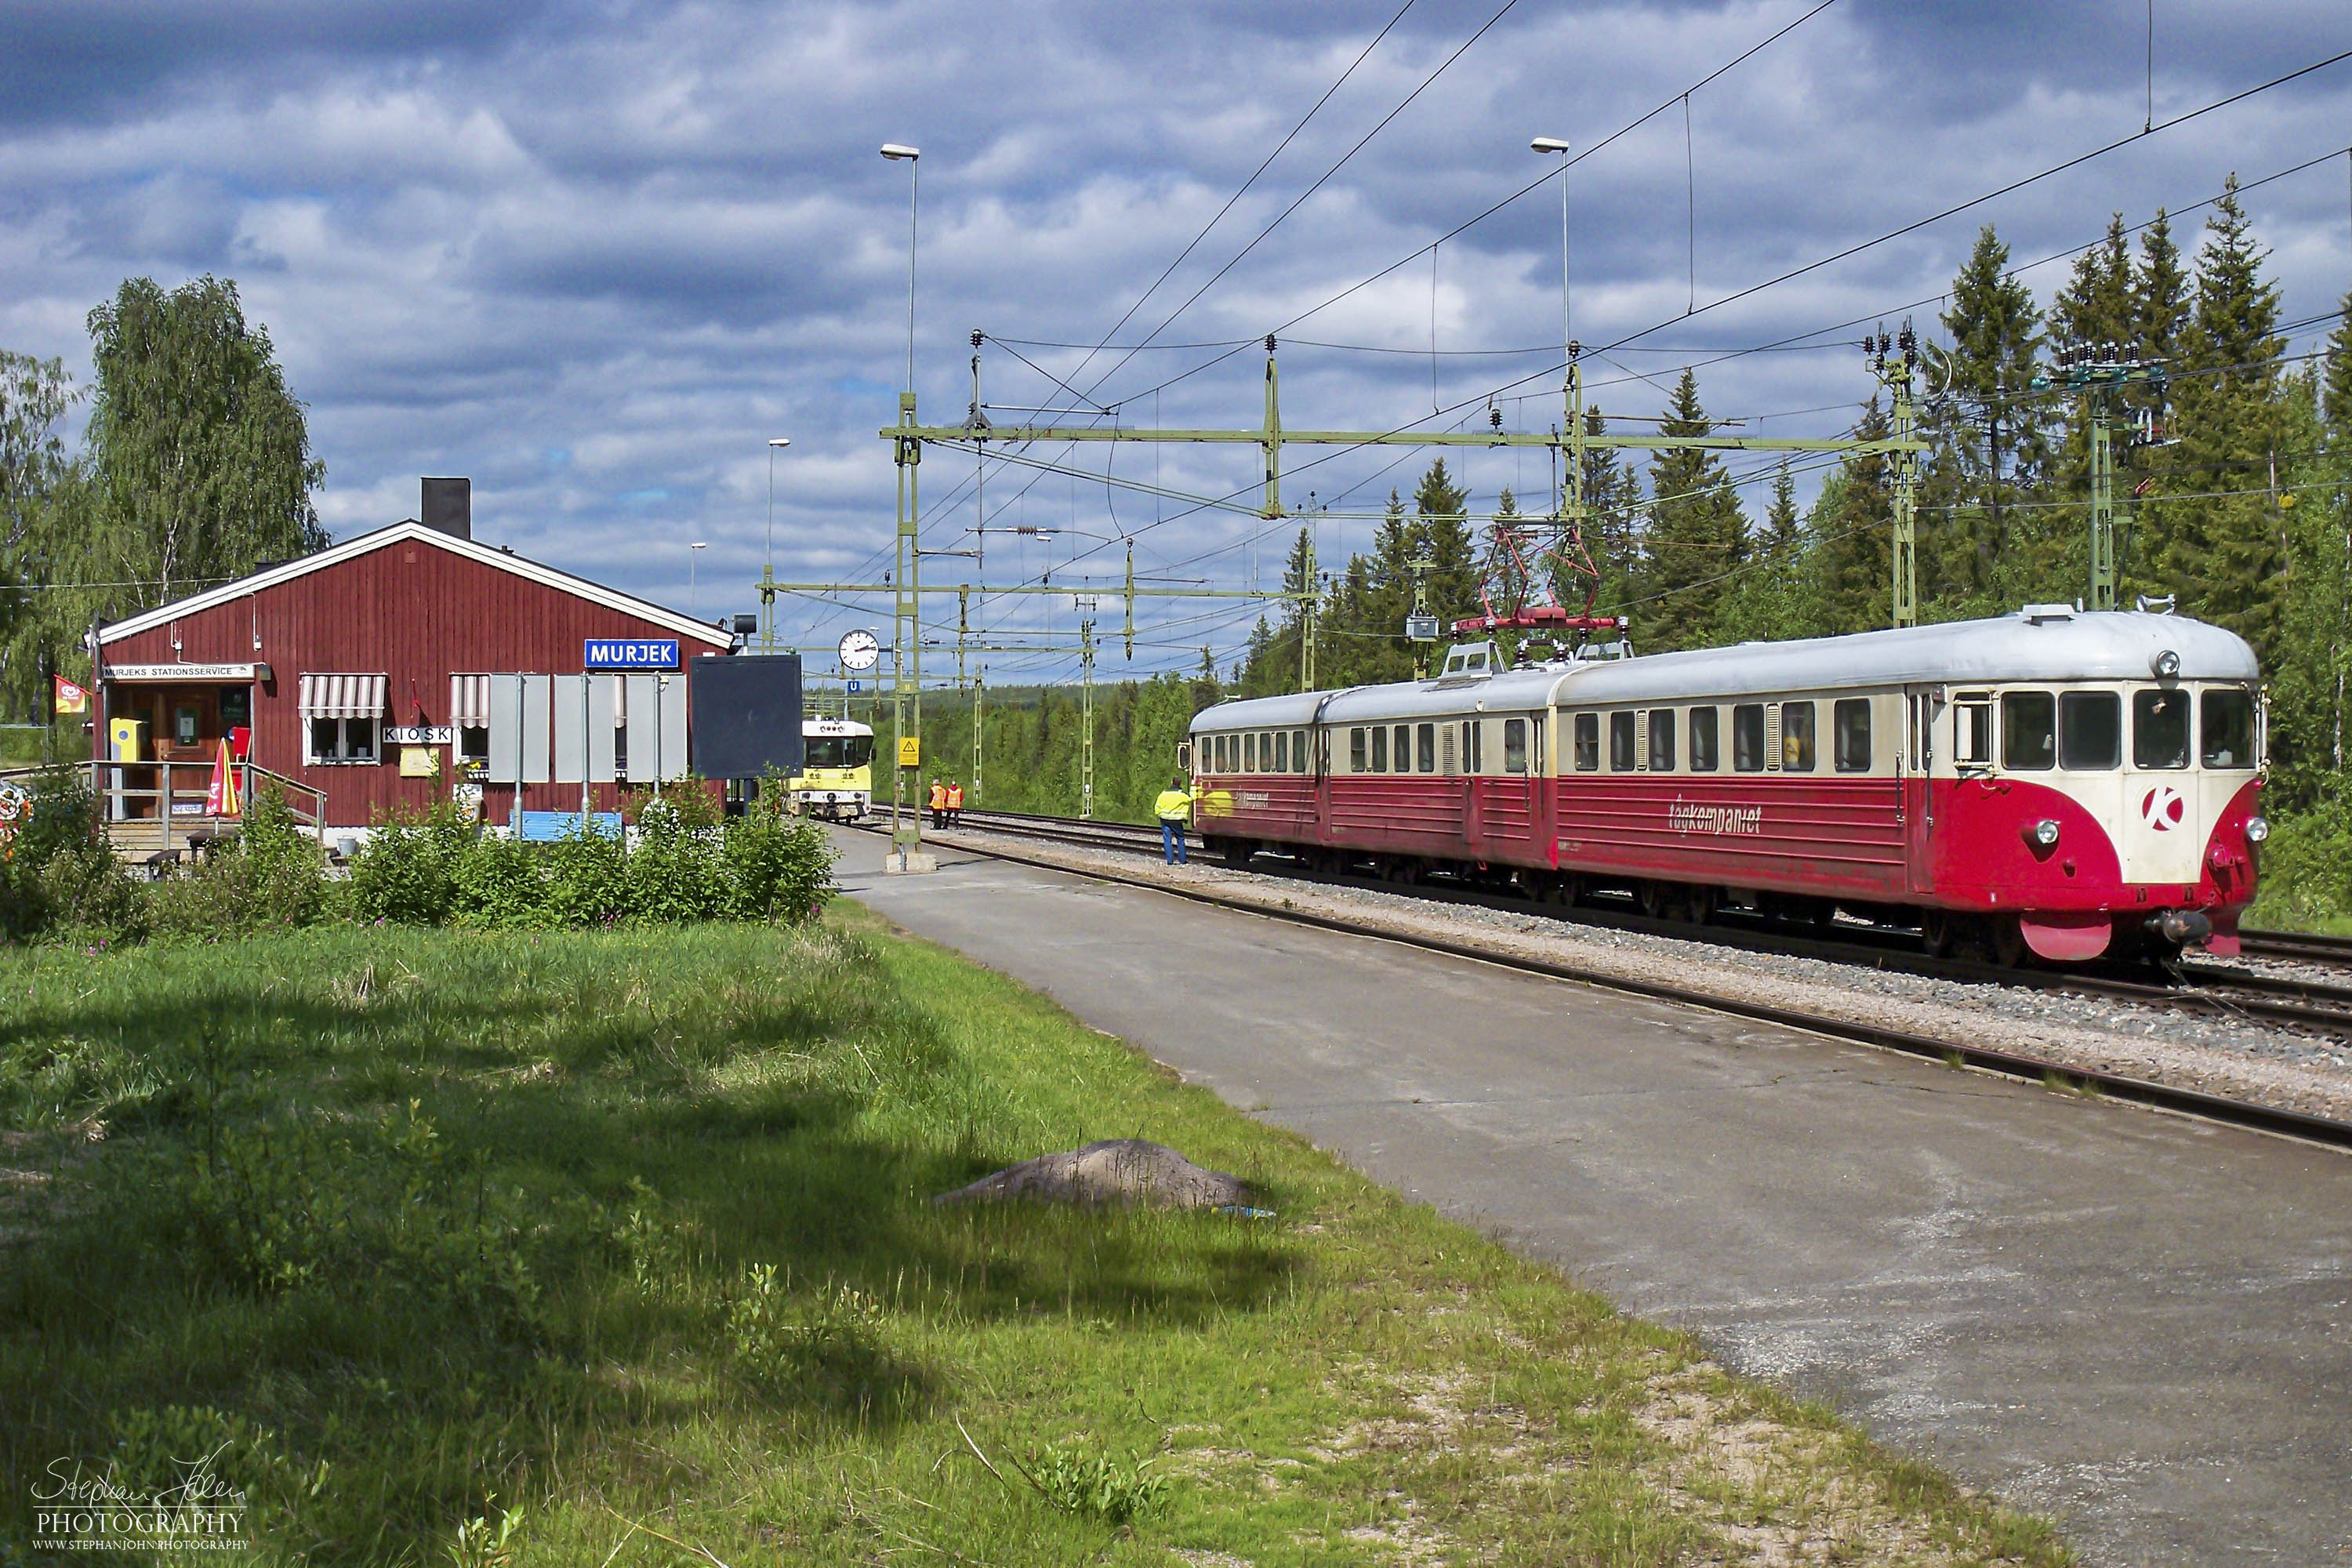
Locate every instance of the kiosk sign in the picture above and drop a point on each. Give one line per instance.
(629, 652)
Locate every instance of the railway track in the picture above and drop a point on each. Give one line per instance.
(1138, 839)
(2206, 989)
(2306, 947)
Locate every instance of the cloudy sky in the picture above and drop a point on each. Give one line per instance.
(594, 255)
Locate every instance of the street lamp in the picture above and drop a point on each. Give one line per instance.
(912, 157)
(693, 555)
(1548, 145)
(775, 444)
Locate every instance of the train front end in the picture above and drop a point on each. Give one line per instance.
(2112, 816)
(836, 776)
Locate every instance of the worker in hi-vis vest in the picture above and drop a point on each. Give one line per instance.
(955, 804)
(939, 803)
(1175, 803)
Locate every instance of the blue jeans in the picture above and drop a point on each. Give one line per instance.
(1171, 841)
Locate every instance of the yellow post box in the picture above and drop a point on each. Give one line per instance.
(127, 739)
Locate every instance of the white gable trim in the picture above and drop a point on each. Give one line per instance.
(416, 532)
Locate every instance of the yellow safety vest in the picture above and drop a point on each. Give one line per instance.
(1172, 804)
(939, 797)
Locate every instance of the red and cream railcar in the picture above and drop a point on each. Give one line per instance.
(2060, 781)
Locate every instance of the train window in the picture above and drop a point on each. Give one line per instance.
(2090, 731)
(1427, 752)
(2029, 726)
(2225, 729)
(1972, 732)
(1380, 749)
(1748, 737)
(1796, 737)
(1620, 742)
(1298, 750)
(1474, 745)
(1588, 741)
(1704, 757)
(1514, 742)
(1250, 752)
(1404, 748)
(2160, 729)
(1358, 762)
(1661, 740)
(1850, 735)
(1281, 750)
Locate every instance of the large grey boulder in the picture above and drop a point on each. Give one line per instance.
(1116, 1171)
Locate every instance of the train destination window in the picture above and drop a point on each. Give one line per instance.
(1587, 743)
(2090, 731)
(1796, 737)
(2160, 729)
(2029, 726)
(1358, 762)
(1380, 750)
(1661, 740)
(1426, 734)
(2225, 729)
(1850, 735)
(1748, 737)
(1620, 742)
(1704, 758)
(1514, 742)
(1972, 732)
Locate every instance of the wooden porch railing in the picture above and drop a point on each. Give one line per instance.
(151, 809)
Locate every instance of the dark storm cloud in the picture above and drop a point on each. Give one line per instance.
(596, 254)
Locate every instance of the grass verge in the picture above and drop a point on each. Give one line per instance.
(615, 1248)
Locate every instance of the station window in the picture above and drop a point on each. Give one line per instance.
(1380, 750)
(1281, 739)
(1425, 737)
(1796, 737)
(1298, 750)
(2225, 729)
(1620, 742)
(2160, 729)
(1704, 756)
(1404, 748)
(1747, 738)
(2090, 731)
(473, 747)
(1850, 735)
(1587, 743)
(2029, 725)
(1514, 742)
(1661, 740)
(342, 740)
(1358, 762)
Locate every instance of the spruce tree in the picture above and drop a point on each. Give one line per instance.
(1854, 535)
(1697, 535)
(2223, 553)
(1988, 431)
(1441, 526)
(1612, 536)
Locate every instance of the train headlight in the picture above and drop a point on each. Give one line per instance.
(2257, 829)
(2167, 664)
(2045, 832)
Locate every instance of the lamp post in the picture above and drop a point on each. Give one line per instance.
(693, 554)
(907, 640)
(768, 569)
(1549, 145)
(1571, 492)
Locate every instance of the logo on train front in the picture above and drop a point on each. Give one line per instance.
(2162, 808)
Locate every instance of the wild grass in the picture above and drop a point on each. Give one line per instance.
(615, 1248)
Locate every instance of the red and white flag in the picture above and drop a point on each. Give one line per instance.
(71, 699)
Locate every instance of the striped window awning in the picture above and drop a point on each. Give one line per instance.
(469, 701)
(342, 697)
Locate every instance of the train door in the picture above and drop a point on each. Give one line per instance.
(1923, 705)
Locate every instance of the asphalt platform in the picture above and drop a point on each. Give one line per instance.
(2135, 1323)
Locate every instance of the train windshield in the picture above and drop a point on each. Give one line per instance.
(2225, 729)
(839, 750)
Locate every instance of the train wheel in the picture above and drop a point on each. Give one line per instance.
(1237, 853)
(1940, 932)
(1567, 890)
(2005, 941)
(1698, 905)
(1657, 900)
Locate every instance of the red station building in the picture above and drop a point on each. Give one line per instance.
(404, 666)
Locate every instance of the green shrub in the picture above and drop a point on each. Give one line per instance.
(500, 883)
(59, 876)
(781, 866)
(675, 872)
(2305, 869)
(408, 872)
(587, 879)
(1079, 1478)
(270, 874)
